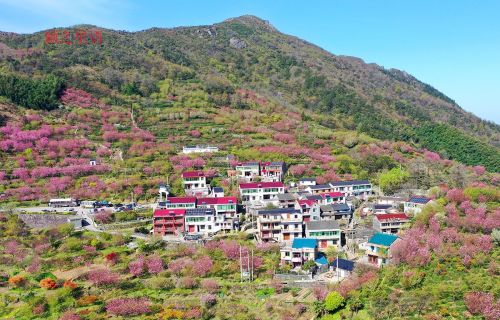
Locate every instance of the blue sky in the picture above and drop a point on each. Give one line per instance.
(453, 45)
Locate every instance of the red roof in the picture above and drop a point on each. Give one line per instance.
(193, 174)
(255, 185)
(306, 202)
(221, 200)
(332, 194)
(181, 200)
(169, 212)
(391, 216)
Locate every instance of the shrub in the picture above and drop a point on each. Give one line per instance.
(136, 267)
(202, 266)
(103, 277)
(48, 283)
(86, 300)
(482, 303)
(69, 284)
(333, 301)
(160, 283)
(154, 264)
(210, 285)
(208, 300)
(187, 283)
(128, 306)
(68, 315)
(17, 281)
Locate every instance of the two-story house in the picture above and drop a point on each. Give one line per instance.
(261, 191)
(299, 252)
(195, 183)
(336, 211)
(357, 188)
(327, 232)
(272, 171)
(378, 248)
(248, 171)
(390, 222)
(200, 221)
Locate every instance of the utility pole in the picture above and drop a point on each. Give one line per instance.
(251, 273)
(241, 267)
(337, 269)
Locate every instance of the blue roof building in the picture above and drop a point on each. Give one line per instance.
(383, 239)
(300, 243)
(343, 264)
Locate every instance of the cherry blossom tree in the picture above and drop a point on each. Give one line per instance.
(103, 277)
(202, 266)
(136, 267)
(154, 264)
(128, 306)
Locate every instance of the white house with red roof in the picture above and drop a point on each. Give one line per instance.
(255, 192)
(195, 183)
(332, 197)
(178, 203)
(310, 208)
(390, 222)
(226, 212)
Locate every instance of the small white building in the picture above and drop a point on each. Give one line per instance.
(305, 182)
(415, 204)
(199, 149)
(342, 267)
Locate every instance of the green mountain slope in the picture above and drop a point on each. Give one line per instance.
(339, 92)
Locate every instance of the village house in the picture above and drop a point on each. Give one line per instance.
(200, 221)
(299, 252)
(195, 183)
(357, 188)
(381, 208)
(390, 222)
(226, 211)
(261, 191)
(199, 149)
(343, 268)
(169, 222)
(286, 200)
(378, 248)
(310, 209)
(248, 171)
(272, 171)
(392, 200)
(332, 197)
(306, 182)
(283, 224)
(336, 211)
(415, 204)
(178, 203)
(327, 232)
(163, 192)
(319, 188)
(217, 192)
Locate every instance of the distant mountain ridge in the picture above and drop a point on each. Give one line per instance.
(247, 52)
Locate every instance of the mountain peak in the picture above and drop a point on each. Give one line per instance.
(251, 20)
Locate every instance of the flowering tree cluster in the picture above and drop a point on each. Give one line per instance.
(103, 277)
(128, 306)
(152, 264)
(77, 97)
(202, 266)
(482, 303)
